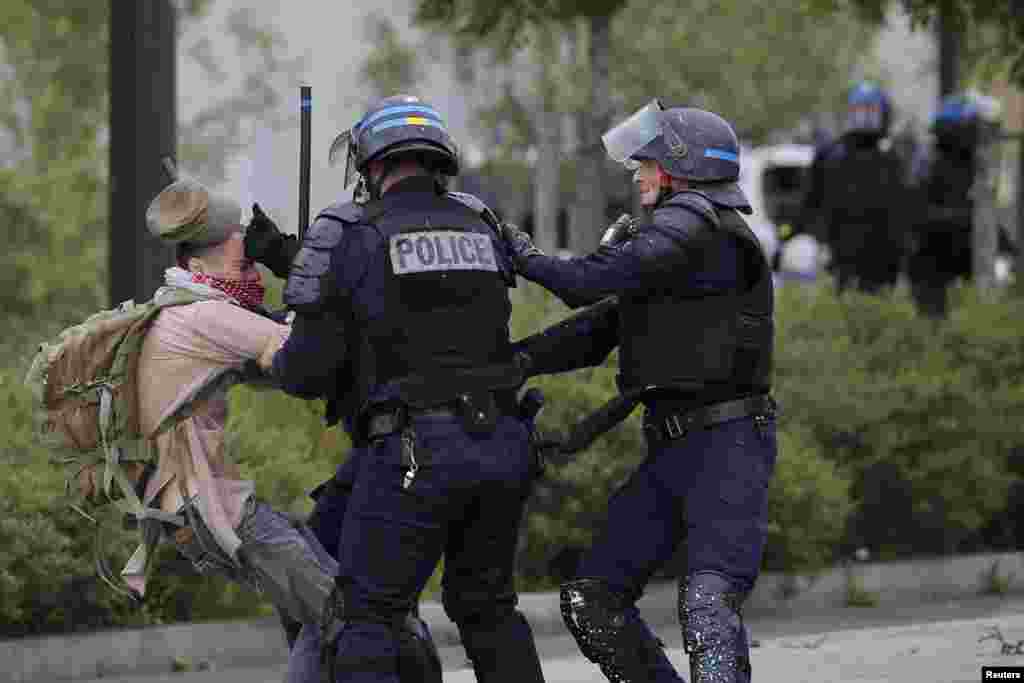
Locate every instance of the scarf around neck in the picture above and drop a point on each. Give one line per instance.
(246, 294)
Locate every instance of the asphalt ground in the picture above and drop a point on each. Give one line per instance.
(945, 641)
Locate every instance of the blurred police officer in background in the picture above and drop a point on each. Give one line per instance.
(945, 177)
(686, 295)
(857, 194)
(409, 289)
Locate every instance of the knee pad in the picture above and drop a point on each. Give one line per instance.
(596, 616)
(710, 614)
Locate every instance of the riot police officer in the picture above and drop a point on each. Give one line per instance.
(856, 194)
(410, 288)
(686, 295)
(419, 661)
(944, 248)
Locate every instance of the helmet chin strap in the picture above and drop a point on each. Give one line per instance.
(664, 186)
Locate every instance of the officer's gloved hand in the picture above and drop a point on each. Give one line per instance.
(519, 244)
(617, 232)
(266, 244)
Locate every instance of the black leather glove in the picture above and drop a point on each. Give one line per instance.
(519, 244)
(618, 231)
(266, 244)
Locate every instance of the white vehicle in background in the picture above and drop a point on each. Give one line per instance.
(774, 178)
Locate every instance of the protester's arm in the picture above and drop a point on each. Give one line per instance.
(331, 261)
(229, 334)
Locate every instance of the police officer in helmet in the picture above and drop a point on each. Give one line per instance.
(943, 236)
(409, 288)
(686, 295)
(856, 193)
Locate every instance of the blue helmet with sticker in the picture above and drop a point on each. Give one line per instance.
(868, 109)
(400, 124)
(957, 120)
(687, 143)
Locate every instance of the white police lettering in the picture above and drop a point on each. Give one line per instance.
(433, 250)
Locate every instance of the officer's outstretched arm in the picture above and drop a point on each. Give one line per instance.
(315, 350)
(307, 363)
(671, 250)
(580, 341)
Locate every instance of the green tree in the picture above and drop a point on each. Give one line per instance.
(224, 126)
(592, 22)
(53, 119)
(728, 57)
(393, 65)
(724, 56)
(999, 24)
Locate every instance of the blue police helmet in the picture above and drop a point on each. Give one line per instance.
(404, 124)
(957, 120)
(955, 110)
(869, 109)
(688, 143)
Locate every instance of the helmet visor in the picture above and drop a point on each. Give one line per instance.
(343, 146)
(627, 138)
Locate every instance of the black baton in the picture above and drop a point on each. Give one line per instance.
(306, 115)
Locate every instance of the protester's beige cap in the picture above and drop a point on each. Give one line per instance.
(185, 211)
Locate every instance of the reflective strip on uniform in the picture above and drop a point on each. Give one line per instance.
(440, 250)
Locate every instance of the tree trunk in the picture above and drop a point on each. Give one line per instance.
(587, 219)
(1017, 226)
(949, 51)
(143, 129)
(548, 126)
(985, 237)
(546, 181)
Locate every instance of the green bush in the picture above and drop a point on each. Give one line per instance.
(913, 409)
(895, 433)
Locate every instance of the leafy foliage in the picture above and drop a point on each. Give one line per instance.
(225, 124)
(732, 60)
(393, 66)
(1000, 23)
(896, 434)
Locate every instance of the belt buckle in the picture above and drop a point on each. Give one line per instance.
(674, 427)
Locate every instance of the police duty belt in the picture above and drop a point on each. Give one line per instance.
(673, 426)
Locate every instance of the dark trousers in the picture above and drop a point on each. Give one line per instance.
(709, 488)
(466, 503)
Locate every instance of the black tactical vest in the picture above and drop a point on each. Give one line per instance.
(713, 347)
(444, 282)
(862, 183)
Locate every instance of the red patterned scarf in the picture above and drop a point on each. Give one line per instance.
(249, 294)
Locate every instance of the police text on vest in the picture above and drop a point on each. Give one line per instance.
(434, 250)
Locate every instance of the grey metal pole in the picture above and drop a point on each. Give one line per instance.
(143, 130)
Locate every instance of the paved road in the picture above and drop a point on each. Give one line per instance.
(935, 642)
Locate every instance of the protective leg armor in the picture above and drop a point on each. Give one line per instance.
(596, 615)
(713, 633)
